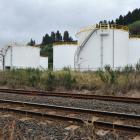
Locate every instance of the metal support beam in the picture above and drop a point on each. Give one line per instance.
(102, 51)
(113, 63)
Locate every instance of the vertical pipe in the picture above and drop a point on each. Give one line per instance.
(102, 51)
(113, 63)
(3, 62)
(11, 57)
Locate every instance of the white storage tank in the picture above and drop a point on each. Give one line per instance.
(63, 55)
(1, 62)
(102, 45)
(134, 50)
(43, 63)
(83, 33)
(22, 57)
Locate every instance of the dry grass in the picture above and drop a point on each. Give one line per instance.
(107, 82)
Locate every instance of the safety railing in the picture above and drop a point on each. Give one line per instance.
(88, 28)
(134, 36)
(104, 26)
(65, 43)
(121, 27)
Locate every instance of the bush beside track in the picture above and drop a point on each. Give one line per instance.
(104, 81)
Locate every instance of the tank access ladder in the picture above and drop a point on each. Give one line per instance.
(104, 29)
(3, 52)
(79, 49)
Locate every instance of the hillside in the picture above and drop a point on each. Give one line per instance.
(135, 28)
(131, 19)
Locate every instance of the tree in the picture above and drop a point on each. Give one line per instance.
(31, 43)
(58, 36)
(105, 22)
(46, 40)
(121, 20)
(47, 44)
(66, 36)
(60, 39)
(47, 50)
(135, 14)
(70, 39)
(129, 18)
(135, 28)
(100, 22)
(112, 22)
(53, 37)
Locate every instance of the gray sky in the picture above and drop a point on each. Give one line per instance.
(21, 20)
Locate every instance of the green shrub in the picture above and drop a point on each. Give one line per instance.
(3, 82)
(137, 66)
(103, 76)
(128, 69)
(106, 80)
(108, 76)
(50, 81)
(107, 68)
(33, 80)
(68, 80)
(135, 28)
(66, 69)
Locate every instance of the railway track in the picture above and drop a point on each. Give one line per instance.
(97, 124)
(71, 95)
(71, 109)
(25, 108)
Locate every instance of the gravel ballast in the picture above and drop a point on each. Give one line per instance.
(12, 128)
(80, 103)
(34, 130)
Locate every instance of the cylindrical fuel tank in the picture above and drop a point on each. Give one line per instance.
(63, 55)
(134, 50)
(106, 45)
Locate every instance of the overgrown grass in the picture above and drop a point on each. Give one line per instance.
(106, 81)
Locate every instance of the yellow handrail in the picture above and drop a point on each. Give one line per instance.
(104, 26)
(65, 43)
(134, 36)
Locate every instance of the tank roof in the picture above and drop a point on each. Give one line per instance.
(65, 43)
(134, 36)
(104, 26)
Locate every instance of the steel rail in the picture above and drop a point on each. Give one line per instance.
(97, 124)
(72, 95)
(74, 109)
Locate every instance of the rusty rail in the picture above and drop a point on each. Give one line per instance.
(97, 124)
(72, 95)
(74, 109)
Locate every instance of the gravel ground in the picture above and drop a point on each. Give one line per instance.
(80, 103)
(89, 133)
(33, 130)
(13, 127)
(28, 129)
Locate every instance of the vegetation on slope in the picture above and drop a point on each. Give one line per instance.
(129, 18)
(47, 51)
(135, 28)
(49, 40)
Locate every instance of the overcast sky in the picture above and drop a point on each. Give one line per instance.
(21, 20)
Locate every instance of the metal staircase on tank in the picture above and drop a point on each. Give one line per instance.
(79, 49)
(3, 52)
(104, 31)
